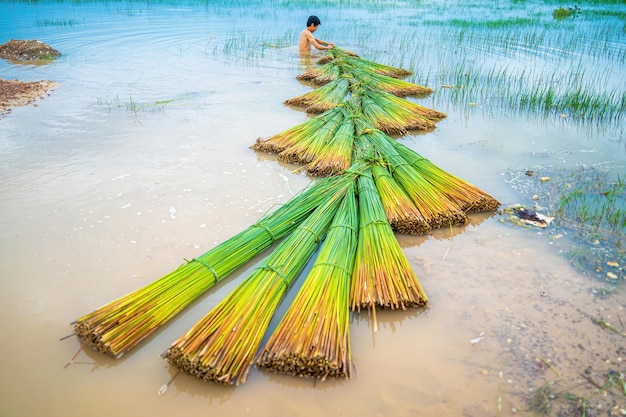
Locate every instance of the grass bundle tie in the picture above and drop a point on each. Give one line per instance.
(267, 229)
(209, 267)
(334, 265)
(276, 271)
(312, 340)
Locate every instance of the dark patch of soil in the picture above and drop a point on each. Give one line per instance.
(19, 93)
(33, 50)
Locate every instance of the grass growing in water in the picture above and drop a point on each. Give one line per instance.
(589, 206)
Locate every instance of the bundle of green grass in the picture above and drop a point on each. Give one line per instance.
(360, 265)
(417, 195)
(343, 223)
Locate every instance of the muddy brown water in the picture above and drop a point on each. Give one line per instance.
(100, 197)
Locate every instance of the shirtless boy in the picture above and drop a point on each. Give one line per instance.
(307, 39)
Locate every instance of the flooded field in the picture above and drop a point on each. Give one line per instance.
(140, 159)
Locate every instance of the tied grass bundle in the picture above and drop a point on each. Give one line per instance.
(401, 213)
(394, 115)
(354, 60)
(313, 339)
(468, 197)
(323, 98)
(222, 345)
(323, 74)
(277, 143)
(436, 208)
(388, 84)
(335, 53)
(335, 154)
(297, 134)
(118, 326)
(377, 68)
(302, 152)
(382, 275)
(326, 73)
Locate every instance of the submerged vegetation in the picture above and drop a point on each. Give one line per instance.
(563, 13)
(514, 56)
(567, 401)
(589, 206)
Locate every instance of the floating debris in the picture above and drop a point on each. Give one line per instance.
(522, 216)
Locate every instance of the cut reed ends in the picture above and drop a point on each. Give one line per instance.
(394, 115)
(293, 136)
(120, 325)
(334, 155)
(382, 276)
(322, 74)
(401, 213)
(323, 98)
(305, 150)
(312, 340)
(436, 208)
(222, 345)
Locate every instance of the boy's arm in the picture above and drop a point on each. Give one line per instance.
(318, 43)
(328, 44)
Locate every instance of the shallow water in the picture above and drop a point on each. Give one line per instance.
(140, 159)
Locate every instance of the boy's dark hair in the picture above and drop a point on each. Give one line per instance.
(313, 20)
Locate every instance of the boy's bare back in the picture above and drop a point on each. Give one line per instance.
(305, 40)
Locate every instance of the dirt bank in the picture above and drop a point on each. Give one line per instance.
(19, 93)
(33, 50)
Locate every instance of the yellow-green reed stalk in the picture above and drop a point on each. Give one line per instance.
(299, 152)
(302, 131)
(399, 88)
(323, 98)
(222, 345)
(401, 213)
(334, 155)
(468, 197)
(313, 338)
(382, 276)
(436, 208)
(385, 112)
(120, 325)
